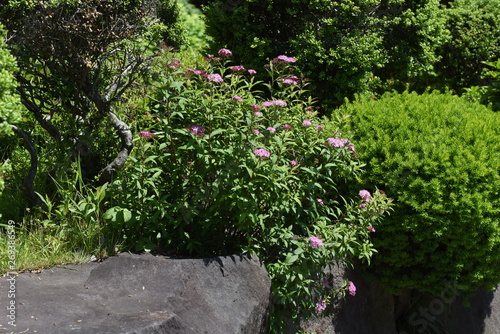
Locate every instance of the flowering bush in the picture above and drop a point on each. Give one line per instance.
(248, 174)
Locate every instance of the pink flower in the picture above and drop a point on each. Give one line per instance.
(224, 53)
(174, 63)
(256, 131)
(238, 68)
(262, 153)
(283, 60)
(271, 129)
(310, 111)
(365, 195)
(362, 205)
(320, 201)
(315, 242)
(278, 103)
(294, 163)
(321, 306)
(237, 98)
(291, 80)
(319, 127)
(352, 289)
(336, 142)
(196, 130)
(252, 72)
(287, 126)
(371, 229)
(147, 134)
(211, 58)
(215, 78)
(306, 122)
(257, 114)
(255, 107)
(350, 147)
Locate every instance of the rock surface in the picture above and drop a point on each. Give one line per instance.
(373, 310)
(142, 294)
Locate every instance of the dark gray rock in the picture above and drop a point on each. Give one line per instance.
(373, 310)
(143, 294)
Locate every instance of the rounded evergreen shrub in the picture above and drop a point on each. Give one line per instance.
(439, 156)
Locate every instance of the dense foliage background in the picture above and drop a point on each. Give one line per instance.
(280, 128)
(346, 47)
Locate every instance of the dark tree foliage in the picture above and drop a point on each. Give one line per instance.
(77, 59)
(351, 46)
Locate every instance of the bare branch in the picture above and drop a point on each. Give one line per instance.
(127, 145)
(29, 180)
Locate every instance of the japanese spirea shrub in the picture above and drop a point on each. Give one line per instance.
(439, 156)
(223, 170)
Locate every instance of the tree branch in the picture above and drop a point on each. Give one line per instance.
(29, 180)
(127, 145)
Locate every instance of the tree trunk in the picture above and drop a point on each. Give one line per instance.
(123, 131)
(29, 180)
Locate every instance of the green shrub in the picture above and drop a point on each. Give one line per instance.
(475, 30)
(10, 106)
(222, 170)
(193, 20)
(342, 45)
(171, 29)
(492, 93)
(438, 155)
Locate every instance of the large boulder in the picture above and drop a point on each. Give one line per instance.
(373, 310)
(142, 294)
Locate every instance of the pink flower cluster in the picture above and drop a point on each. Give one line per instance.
(238, 68)
(278, 103)
(255, 107)
(147, 134)
(321, 306)
(337, 142)
(225, 53)
(262, 153)
(283, 60)
(215, 78)
(191, 71)
(352, 289)
(291, 80)
(237, 98)
(341, 142)
(197, 130)
(315, 242)
(365, 195)
(174, 63)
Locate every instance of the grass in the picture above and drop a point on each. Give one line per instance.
(40, 249)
